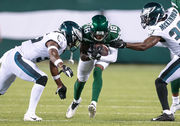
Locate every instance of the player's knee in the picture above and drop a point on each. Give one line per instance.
(42, 80)
(82, 79)
(159, 82)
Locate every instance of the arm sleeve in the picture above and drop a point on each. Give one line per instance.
(111, 57)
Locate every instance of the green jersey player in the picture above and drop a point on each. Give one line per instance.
(175, 85)
(99, 31)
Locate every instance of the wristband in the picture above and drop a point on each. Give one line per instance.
(52, 47)
(56, 77)
(58, 61)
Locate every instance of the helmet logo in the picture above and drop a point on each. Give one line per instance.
(72, 32)
(78, 33)
(147, 11)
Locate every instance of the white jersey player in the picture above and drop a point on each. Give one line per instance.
(169, 31)
(164, 27)
(20, 62)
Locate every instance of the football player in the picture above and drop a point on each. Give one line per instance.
(99, 31)
(175, 85)
(163, 27)
(20, 62)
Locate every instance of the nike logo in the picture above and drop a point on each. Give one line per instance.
(33, 118)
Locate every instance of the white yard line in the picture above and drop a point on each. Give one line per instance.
(97, 121)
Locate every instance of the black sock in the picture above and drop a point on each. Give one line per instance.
(162, 92)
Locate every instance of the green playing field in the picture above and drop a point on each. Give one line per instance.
(128, 98)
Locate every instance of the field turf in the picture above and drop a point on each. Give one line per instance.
(128, 98)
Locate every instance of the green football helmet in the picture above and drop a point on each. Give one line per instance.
(73, 33)
(151, 14)
(99, 27)
(176, 4)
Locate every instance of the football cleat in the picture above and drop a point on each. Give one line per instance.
(164, 117)
(31, 117)
(72, 108)
(92, 110)
(175, 107)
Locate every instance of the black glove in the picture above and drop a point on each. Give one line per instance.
(62, 92)
(118, 44)
(67, 71)
(95, 53)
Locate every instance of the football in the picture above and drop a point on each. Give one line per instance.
(104, 49)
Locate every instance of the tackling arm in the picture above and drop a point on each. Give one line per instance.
(55, 63)
(53, 53)
(55, 73)
(148, 43)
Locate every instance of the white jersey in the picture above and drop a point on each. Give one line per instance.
(169, 30)
(36, 50)
(20, 61)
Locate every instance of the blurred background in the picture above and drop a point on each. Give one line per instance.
(25, 19)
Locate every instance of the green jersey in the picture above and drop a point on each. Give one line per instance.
(176, 4)
(113, 34)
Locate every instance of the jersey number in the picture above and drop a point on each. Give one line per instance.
(113, 29)
(175, 30)
(87, 29)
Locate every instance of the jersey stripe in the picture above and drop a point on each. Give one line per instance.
(172, 68)
(26, 67)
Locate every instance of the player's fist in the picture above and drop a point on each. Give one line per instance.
(102, 49)
(62, 92)
(95, 55)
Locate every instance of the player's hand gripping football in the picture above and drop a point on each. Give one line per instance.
(95, 53)
(67, 71)
(62, 92)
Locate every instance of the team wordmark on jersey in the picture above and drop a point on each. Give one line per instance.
(169, 20)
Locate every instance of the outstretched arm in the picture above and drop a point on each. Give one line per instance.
(53, 48)
(140, 46)
(55, 63)
(148, 43)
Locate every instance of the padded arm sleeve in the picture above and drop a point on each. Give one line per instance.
(111, 57)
